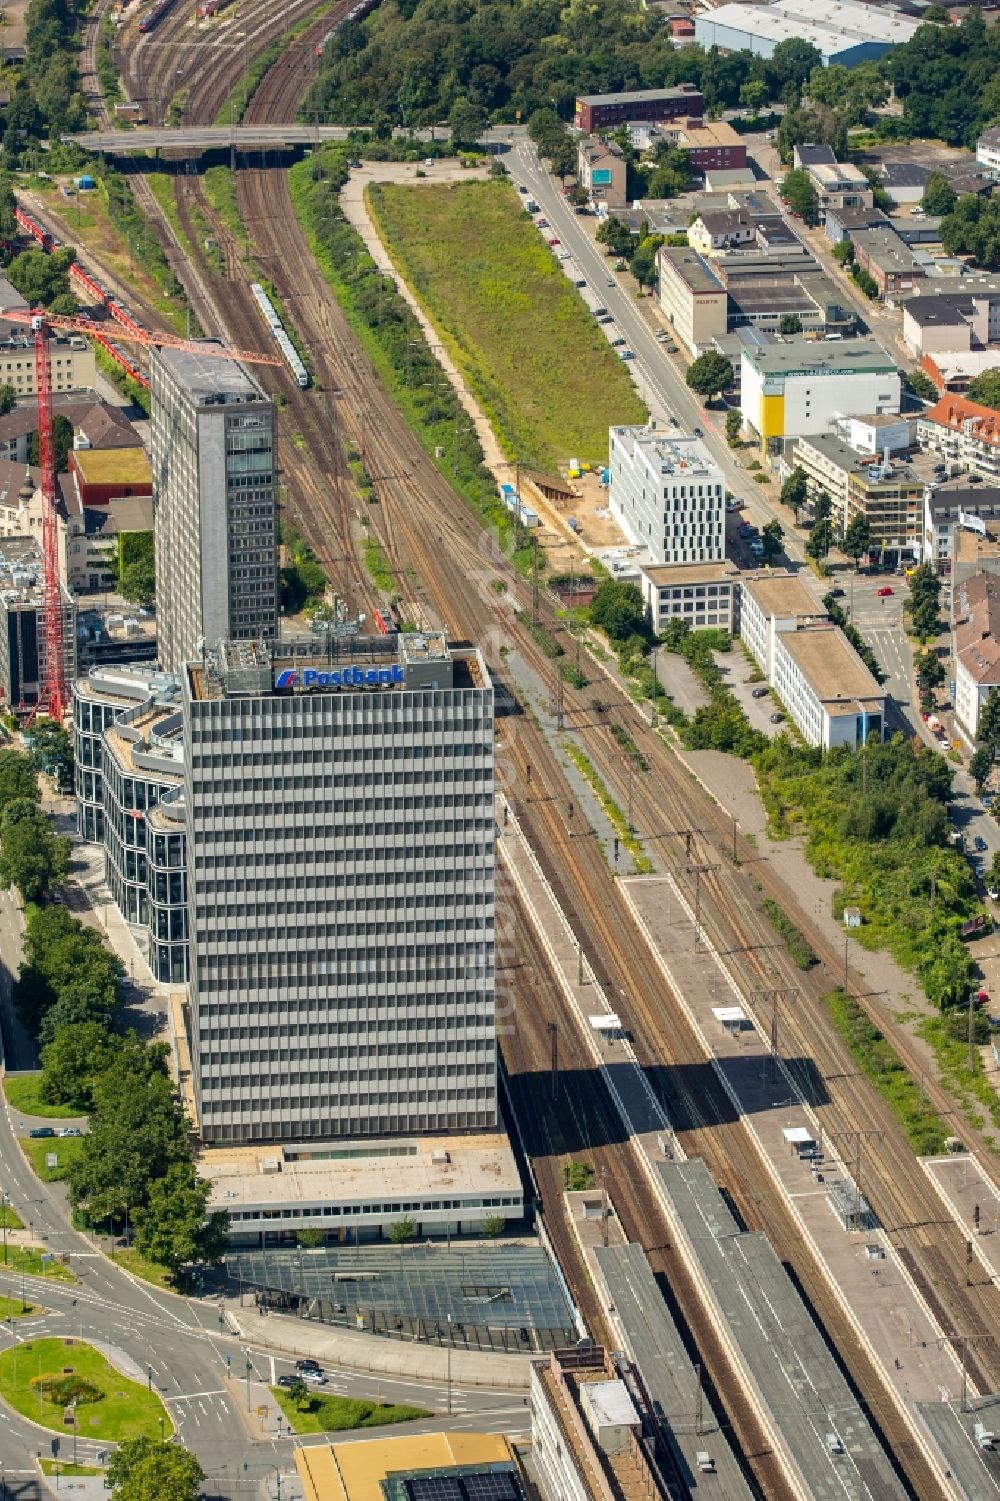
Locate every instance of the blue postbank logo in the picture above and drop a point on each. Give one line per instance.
(347, 677)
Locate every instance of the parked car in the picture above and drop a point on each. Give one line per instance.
(71, 1131)
(759, 693)
(662, 337)
(980, 843)
(40, 1131)
(553, 242)
(521, 188)
(836, 593)
(884, 592)
(626, 354)
(777, 717)
(993, 893)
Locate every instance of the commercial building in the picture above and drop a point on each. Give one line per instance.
(887, 433)
(949, 317)
(413, 1467)
(215, 495)
(71, 359)
(963, 433)
(667, 494)
(887, 492)
(692, 297)
(589, 1415)
(22, 624)
(601, 170)
(841, 223)
(605, 111)
(710, 145)
(954, 370)
(798, 387)
(341, 906)
(702, 594)
(890, 263)
(101, 475)
(447, 1185)
(773, 603)
(976, 645)
(848, 33)
(905, 182)
(129, 767)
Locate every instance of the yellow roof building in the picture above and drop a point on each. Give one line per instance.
(354, 1471)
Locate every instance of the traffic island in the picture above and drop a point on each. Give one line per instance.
(313, 1412)
(67, 1385)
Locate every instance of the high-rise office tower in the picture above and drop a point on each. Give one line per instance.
(214, 503)
(340, 830)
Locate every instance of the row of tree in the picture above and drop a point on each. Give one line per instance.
(32, 858)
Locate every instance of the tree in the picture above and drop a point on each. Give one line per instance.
(39, 277)
(843, 253)
(64, 960)
(753, 96)
(709, 374)
(32, 857)
(8, 400)
(171, 1227)
(17, 778)
(980, 766)
(929, 669)
(771, 539)
(76, 1056)
(310, 1238)
(923, 605)
(494, 1225)
(798, 192)
(820, 538)
(795, 61)
(857, 537)
(921, 385)
(400, 1231)
(644, 263)
(50, 749)
(563, 158)
(467, 121)
(790, 323)
(618, 610)
(993, 877)
(137, 582)
(617, 237)
(985, 389)
(62, 441)
(299, 1395)
(939, 195)
(794, 492)
(734, 424)
(147, 1469)
(989, 720)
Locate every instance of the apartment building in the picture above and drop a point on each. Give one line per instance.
(667, 494)
(963, 433)
(953, 512)
(22, 624)
(988, 151)
(976, 647)
(888, 492)
(602, 171)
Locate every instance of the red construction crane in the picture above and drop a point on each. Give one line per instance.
(53, 693)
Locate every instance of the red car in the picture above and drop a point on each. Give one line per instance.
(553, 241)
(884, 591)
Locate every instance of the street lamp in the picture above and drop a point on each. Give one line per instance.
(6, 1206)
(249, 1368)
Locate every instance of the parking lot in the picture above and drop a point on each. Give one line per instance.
(737, 672)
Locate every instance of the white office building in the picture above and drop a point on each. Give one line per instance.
(667, 494)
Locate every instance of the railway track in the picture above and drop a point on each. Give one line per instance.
(435, 536)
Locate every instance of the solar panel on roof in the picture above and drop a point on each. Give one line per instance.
(497, 1486)
(436, 1488)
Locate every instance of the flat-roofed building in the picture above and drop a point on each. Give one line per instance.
(710, 144)
(667, 494)
(976, 646)
(848, 32)
(826, 688)
(702, 594)
(71, 360)
(839, 185)
(447, 1185)
(954, 510)
(954, 370)
(692, 297)
(588, 1414)
(890, 263)
(988, 151)
(22, 624)
(605, 111)
(887, 492)
(795, 388)
(406, 1468)
(771, 603)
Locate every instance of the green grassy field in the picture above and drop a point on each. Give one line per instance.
(60, 1467)
(22, 1092)
(10, 1219)
(109, 1405)
(342, 1414)
(12, 1308)
(29, 1259)
(66, 1149)
(149, 1271)
(535, 358)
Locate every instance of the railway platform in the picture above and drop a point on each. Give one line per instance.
(974, 1203)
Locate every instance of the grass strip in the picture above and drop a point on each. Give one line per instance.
(795, 942)
(13, 1308)
(28, 1259)
(66, 1150)
(149, 1271)
(61, 1467)
(40, 1377)
(23, 1092)
(640, 860)
(395, 344)
(878, 1061)
(540, 366)
(948, 1035)
(377, 565)
(322, 1414)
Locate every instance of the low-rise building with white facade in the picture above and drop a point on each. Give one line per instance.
(951, 510)
(702, 594)
(827, 689)
(667, 494)
(772, 603)
(976, 645)
(963, 433)
(797, 387)
(988, 151)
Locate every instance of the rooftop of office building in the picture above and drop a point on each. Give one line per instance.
(346, 1172)
(639, 96)
(781, 594)
(210, 379)
(691, 573)
(832, 668)
(21, 574)
(692, 268)
(798, 356)
(380, 1468)
(669, 452)
(113, 684)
